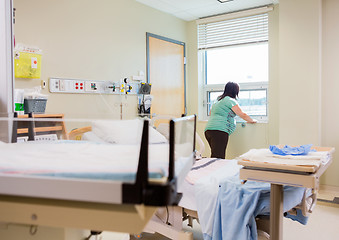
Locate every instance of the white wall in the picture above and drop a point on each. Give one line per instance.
(84, 39)
(299, 71)
(308, 43)
(330, 87)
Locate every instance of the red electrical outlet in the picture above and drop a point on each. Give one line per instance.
(79, 86)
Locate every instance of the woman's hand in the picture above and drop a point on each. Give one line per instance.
(253, 121)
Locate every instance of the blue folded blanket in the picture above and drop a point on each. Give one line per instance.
(288, 150)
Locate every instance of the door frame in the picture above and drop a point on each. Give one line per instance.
(6, 68)
(148, 35)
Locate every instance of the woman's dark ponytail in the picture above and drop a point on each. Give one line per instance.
(231, 90)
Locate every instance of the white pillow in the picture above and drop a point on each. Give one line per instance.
(156, 137)
(90, 136)
(163, 128)
(124, 131)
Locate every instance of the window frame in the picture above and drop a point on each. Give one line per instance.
(243, 87)
(206, 89)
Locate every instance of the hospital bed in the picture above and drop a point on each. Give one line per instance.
(203, 179)
(168, 221)
(67, 184)
(201, 193)
(300, 197)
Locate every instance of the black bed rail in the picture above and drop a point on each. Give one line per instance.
(15, 129)
(31, 125)
(133, 193)
(155, 194)
(171, 168)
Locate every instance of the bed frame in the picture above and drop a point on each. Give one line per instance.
(169, 222)
(110, 206)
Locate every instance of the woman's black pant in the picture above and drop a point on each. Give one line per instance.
(218, 142)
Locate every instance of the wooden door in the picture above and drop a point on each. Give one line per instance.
(166, 73)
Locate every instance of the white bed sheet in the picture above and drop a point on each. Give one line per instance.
(69, 157)
(188, 200)
(205, 173)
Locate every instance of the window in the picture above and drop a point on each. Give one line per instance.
(235, 50)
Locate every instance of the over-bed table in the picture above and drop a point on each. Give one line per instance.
(278, 175)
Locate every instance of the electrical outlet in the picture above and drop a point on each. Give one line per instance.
(62, 85)
(78, 86)
(54, 85)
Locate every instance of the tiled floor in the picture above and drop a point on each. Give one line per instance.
(322, 224)
(328, 193)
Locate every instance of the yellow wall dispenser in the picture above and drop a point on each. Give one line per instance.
(27, 63)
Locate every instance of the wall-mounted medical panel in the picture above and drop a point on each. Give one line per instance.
(64, 85)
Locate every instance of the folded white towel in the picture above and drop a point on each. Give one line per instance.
(265, 155)
(309, 156)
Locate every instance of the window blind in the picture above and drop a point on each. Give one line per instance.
(249, 29)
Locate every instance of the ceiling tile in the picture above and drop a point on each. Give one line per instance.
(161, 5)
(209, 11)
(187, 16)
(189, 4)
(195, 9)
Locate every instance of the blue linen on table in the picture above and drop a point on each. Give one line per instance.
(238, 205)
(288, 150)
